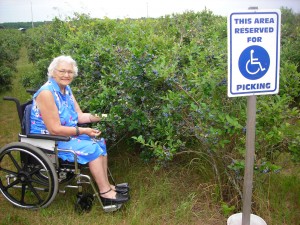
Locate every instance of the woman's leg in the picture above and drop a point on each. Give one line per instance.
(105, 168)
(98, 168)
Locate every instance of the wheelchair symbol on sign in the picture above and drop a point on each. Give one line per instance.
(254, 62)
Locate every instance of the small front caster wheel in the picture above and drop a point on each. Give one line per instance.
(84, 203)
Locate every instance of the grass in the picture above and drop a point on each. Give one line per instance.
(169, 196)
(183, 193)
(278, 196)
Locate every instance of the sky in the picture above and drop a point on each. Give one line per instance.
(46, 10)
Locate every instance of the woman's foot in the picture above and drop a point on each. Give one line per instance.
(111, 197)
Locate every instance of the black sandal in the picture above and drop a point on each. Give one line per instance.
(113, 201)
(121, 190)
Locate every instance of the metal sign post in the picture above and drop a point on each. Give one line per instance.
(249, 160)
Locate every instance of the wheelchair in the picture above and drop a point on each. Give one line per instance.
(31, 174)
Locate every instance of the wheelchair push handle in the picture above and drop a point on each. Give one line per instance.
(8, 98)
(31, 91)
(20, 108)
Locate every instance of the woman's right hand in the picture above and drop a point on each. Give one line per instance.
(90, 132)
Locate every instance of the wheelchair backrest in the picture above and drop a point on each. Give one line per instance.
(20, 110)
(26, 119)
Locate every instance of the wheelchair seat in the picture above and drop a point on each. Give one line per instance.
(31, 174)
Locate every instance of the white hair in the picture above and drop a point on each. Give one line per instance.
(63, 58)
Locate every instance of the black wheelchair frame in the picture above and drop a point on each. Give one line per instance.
(31, 174)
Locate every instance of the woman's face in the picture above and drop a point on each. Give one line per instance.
(63, 74)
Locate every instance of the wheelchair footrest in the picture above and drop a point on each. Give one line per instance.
(112, 208)
(123, 185)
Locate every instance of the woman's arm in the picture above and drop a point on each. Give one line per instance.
(46, 104)
(85, 117)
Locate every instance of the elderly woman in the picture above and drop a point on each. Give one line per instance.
(55, 111)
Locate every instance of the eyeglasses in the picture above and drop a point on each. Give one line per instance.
(69, 72)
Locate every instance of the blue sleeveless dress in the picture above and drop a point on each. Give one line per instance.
(86, 148)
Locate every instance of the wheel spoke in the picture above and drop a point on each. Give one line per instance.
(39, 182)
(8, 171)
(14, 161)
(34, 192)
(12, 184)
(35, 170)
(23, 193)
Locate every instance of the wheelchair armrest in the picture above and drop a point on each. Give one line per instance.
(49, 137)
(84, 124)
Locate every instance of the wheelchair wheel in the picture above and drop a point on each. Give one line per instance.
(21, 166)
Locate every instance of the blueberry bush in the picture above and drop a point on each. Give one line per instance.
(163, 83)
(10, 44)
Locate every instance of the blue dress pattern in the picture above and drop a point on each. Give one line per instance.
(85, 148)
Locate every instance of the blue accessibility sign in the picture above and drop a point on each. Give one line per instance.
(254, 62)
(253, 52)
